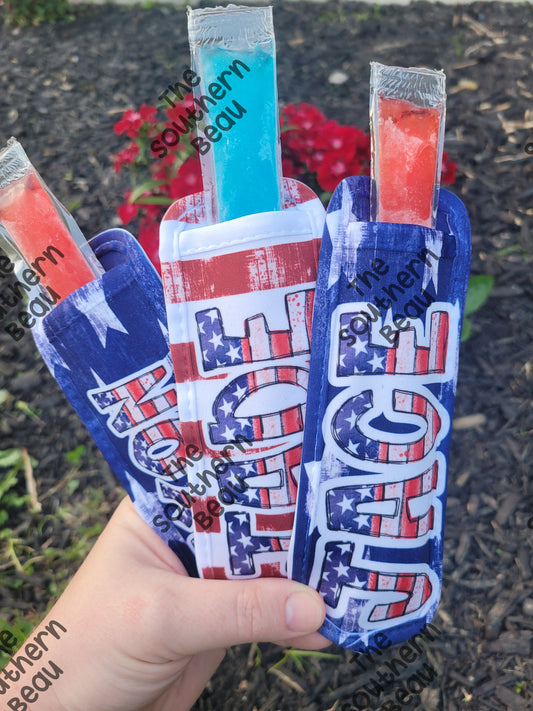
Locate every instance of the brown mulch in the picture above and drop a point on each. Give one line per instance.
(63, 87)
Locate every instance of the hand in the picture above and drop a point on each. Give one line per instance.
(141, 635)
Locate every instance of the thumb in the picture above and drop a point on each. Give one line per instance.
(221, 613)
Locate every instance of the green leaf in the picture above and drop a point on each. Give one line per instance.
(479, 288)
(10, 458)
(144, 188)
(467, 330)
(75, 455)
(154, 200)
(5, 396)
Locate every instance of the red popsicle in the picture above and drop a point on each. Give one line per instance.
(36, 222)
(407, 161)
(407, 110)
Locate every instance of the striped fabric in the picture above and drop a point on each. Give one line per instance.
(239, 304)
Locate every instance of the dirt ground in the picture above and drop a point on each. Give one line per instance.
(63, 87)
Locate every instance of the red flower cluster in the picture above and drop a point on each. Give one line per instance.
(315, 150)
(133, 121)
(312, 144)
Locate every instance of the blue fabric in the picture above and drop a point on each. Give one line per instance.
(107, 346)
(387, 317)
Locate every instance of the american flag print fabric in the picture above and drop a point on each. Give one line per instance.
(387, 318)
(107, 346)
(239, 301)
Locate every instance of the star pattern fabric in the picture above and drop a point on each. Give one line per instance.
(385, 341)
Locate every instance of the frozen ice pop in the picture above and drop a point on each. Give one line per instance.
(233, 52)
(407, 110)
(44, 232)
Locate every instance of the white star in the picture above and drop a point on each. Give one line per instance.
(239, 392)
(342, 570)
(345, 504)
(233, 353)
(233, 551)
(242, 517)
(216, 340)
(362, 521)
(248, 467)
(251, 493)
(354, 446)
(101, 317)
(358, 583)
(376, 362)
(342, 364)
(359, 346)
(226, 407)
(325, 576)
(366, 493)
(201, 327)
(352, 419)
(246, 541)
(228, 434)
(263, 549)
(213, 314)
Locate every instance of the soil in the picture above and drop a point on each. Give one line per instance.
(62, 88)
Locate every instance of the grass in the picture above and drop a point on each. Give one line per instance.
(44, 537)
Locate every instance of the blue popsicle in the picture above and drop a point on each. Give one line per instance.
(244, 157)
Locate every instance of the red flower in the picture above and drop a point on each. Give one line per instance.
(128, 210)
(132, 121)
(188, 179)
(334, 137)
(290, 169)
(448, 170)
(125, 157)
(149, 241)
(334, 168)
(304, 116)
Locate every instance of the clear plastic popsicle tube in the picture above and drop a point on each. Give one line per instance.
(41, 230)
(233, 52)
(407, 115)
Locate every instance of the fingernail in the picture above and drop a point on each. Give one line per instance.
(304, 612)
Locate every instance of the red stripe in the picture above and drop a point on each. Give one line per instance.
(280, 344)
(383, 452)
(377, 518)
(421, 360)
(409, 526)
(185, 367)
(390, 365)
(275, 522)
(291, 420)
(217, 572)
(271, 570)
(246, 352)
(442, 340)
(243, 272)
(404, 583)
(310, 299)
(200, 505)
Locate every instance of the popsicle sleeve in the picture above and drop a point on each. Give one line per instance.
(239, 298)
(369, 523)
(107, 346)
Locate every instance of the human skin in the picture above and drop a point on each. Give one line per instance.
(141, 635)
